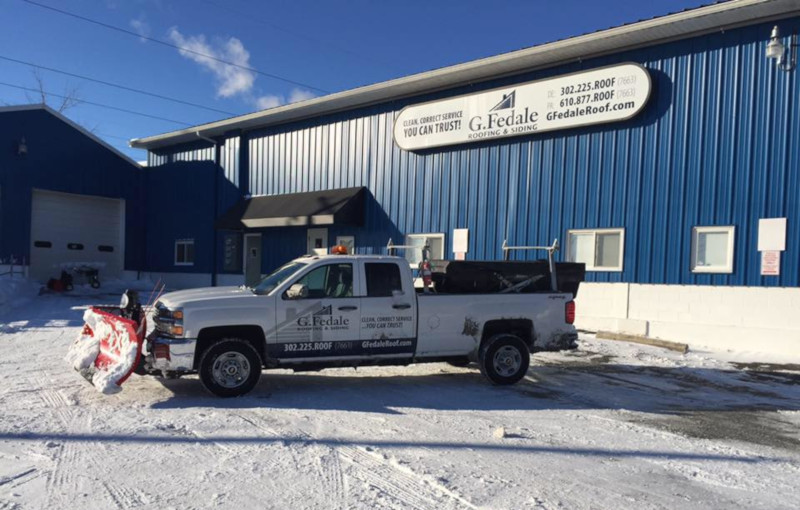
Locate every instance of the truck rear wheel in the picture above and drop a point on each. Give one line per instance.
(230, 368)
(504, 359)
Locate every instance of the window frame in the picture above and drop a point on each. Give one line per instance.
(439, 235)
(705, 229)
(185, 242)
(395, 267)
(595, 231)
(327, 266)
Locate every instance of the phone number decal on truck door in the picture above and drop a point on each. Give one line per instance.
(374, 347)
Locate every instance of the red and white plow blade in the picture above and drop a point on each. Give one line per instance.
(107, 350)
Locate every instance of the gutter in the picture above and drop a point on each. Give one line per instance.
(202, 137)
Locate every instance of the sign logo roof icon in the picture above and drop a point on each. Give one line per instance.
(505, 103)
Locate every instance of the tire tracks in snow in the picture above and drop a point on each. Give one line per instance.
(334, 482)
(124, 497)
(399, 483)
(98, 454)
(61, 480)
(327, 466)
(73, 458)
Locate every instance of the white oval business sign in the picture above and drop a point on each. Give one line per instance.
(607, 94)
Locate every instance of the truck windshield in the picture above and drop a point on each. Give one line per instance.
(277, 277)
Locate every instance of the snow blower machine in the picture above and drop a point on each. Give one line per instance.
(109, 348)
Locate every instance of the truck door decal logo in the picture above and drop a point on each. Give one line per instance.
(323, 311)
(322, 320)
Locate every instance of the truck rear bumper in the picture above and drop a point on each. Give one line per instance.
(170, 354)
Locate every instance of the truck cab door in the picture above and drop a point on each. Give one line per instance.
(324, 320)
(388, 311)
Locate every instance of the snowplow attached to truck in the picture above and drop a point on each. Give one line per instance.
(342, 310)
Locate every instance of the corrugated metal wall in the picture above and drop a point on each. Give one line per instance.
(61, 158)
(716, 145)
(203, 151)
(210, 178)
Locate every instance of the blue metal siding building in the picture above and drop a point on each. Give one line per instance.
(42, 150)
(715, 145)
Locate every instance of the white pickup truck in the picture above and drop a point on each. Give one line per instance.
(349, 310)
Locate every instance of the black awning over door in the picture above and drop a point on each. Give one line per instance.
(329, 207)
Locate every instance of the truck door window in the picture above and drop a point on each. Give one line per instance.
(331, 281)
(382, 279)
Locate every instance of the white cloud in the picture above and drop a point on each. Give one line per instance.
(141, 27)
(298, 95)
(271, 101)
(266, 102)
(231, 80)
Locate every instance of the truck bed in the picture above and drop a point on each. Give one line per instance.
(454, 323)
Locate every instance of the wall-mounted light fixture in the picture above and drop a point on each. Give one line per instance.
(776, 50)
(22, 147)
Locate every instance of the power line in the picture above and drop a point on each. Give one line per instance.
(169, 44)
(299, 35)
(106, 135)
(116, 85)
(29, 89)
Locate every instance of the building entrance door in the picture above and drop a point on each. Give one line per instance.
(317, 241)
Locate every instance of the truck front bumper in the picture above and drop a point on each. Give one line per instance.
(174, 355)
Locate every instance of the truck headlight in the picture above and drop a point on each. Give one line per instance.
(176, 328)
(171, 321)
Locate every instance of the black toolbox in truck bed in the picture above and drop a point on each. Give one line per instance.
(486, 277)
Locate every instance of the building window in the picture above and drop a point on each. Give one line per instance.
(348, 242)
(599, 249)
(712, 249)
(184, 252)
(414, 255)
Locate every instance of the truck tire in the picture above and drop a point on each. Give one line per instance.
(230, 368)
(504, 359)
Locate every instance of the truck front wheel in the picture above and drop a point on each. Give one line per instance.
(504, 359)
(230, 367)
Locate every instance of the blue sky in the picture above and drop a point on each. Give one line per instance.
(322, 47)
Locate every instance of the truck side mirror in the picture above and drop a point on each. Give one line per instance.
(398, 293)
(297, 291)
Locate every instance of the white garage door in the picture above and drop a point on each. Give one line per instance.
(71, 230)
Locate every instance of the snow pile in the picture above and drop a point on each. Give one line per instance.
(117, 358)
(86, 347)
(15, 291)
(106, 380)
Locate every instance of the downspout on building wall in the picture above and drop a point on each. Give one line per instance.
(214, 239)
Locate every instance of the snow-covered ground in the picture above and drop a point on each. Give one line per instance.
(611, 425)
(15, 291)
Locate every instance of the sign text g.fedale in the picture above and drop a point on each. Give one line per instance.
(608, 94)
